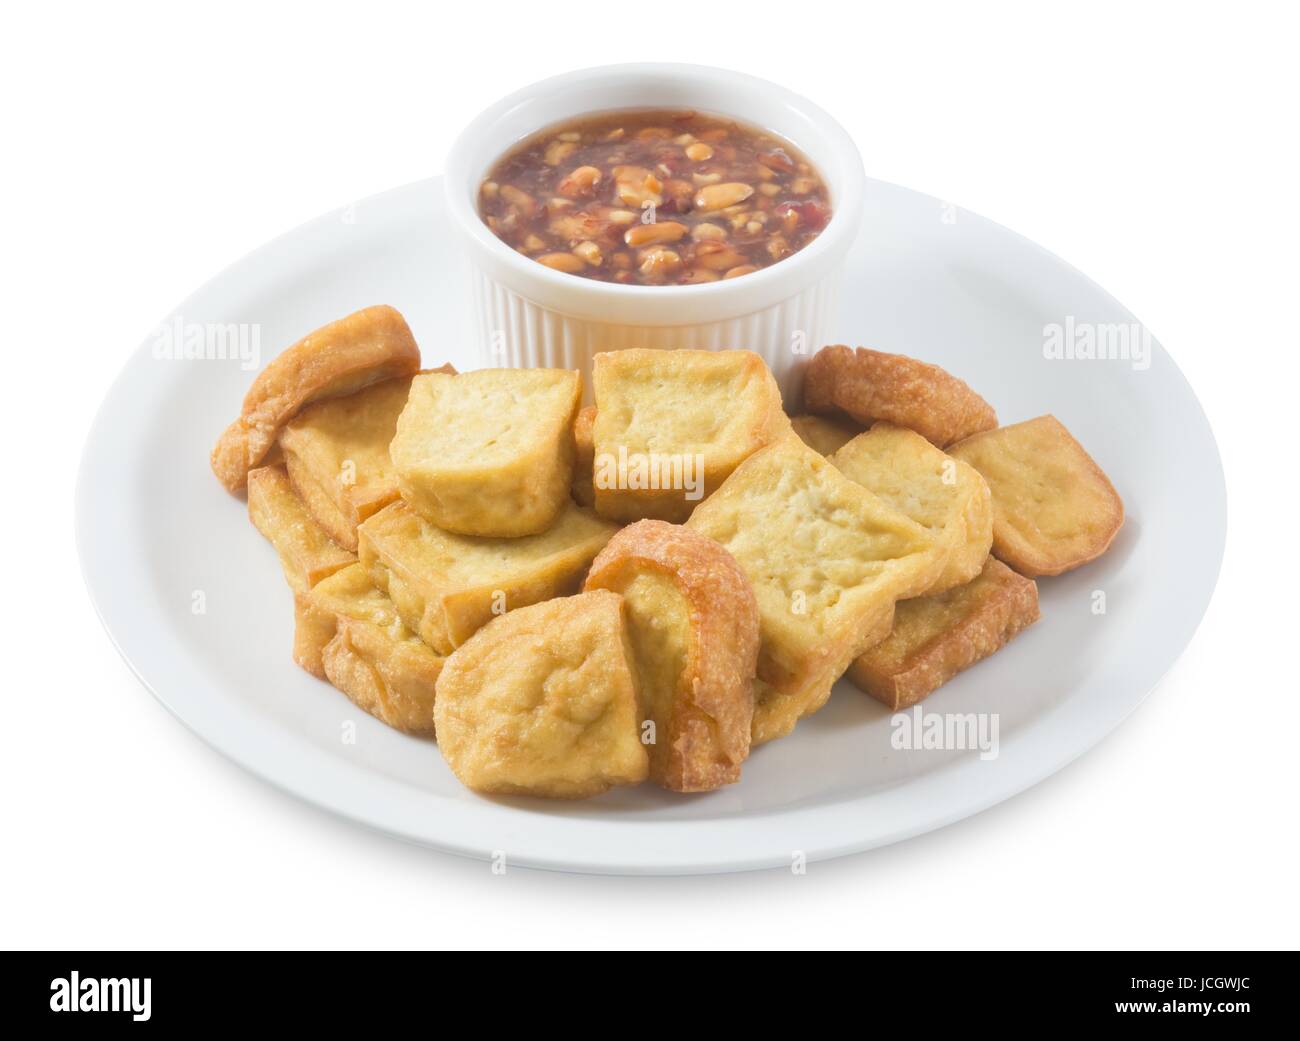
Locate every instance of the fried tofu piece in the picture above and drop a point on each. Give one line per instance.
(824, 434)
(306, 553)
(312, 631)
(671, 426)
(394, 679)
(871, 385)
(336, 453)
(341, 358)
(945, 496)
(693, 622)
(307, 557)
(584, 456)
(353, 630)
(936, 637)
(447, 586)
(827, 560)
(1053, 507)
(543, 701)
(489, 452)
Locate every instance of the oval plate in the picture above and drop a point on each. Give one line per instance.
(195, 602)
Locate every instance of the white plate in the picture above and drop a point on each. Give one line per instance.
(157, 532)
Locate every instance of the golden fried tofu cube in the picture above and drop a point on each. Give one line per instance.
(936, 637)
(1053, 507)
(671, 426)
(944, 495)
(306, 553)
(490, 452)
(824, 434)
(871, 385)
(366, 347)
(383, 667)
(693, 622)
(542, 701)
(336, 453)
(827, 560)
(446, 586)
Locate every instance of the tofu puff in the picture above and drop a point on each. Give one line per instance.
(1053, 507)
(678, 423)
(945, 496)
(488, 453)
(345, 630)
(693, 622)
(542, 701)
(446, 586)
(341, 358)
(936, 637)
(368, 653)
(870, 385)
(306, 552)
(336, 453)
(827, 561)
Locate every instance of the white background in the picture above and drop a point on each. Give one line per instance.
(147, 146)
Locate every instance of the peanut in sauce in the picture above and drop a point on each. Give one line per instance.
(655, 198)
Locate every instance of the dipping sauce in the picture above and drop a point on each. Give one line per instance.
(655, 198)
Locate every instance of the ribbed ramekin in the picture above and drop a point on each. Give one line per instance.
(528, 315)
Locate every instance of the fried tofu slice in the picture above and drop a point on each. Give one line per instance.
(945, 496)
(447, 586)
(312, 631)
(353, 630)
(693, 622)
(824, 434)
(543, 701)
(936, 637)
(306, 552)
(341, 358)
(871, 385)
(584, 456)
(490, 452)
(307, 557)
(827, 560)
(336, 453)
(1053, 507)
(345, 630)
(671, 426)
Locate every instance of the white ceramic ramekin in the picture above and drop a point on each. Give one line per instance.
(528, 315)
